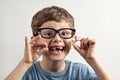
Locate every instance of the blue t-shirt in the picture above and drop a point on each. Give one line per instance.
(72, 71)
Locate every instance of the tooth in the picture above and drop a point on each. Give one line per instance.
(53, 49)
(61, 47)
(56, 48)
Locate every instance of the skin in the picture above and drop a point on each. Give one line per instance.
(37, 46)
(50, 58)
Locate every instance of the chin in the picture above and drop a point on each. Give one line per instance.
(53, 58)
(56, 55)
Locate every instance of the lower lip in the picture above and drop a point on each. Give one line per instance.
(56, 52)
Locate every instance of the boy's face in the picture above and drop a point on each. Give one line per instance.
(58, 45)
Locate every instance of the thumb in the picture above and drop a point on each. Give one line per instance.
(76, 46)
(43, 51)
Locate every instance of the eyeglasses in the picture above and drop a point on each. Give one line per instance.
(48, 33)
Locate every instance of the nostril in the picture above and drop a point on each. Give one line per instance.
(57, 38)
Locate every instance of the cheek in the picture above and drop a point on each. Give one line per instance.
(68, 44)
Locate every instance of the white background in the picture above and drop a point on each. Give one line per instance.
(98, 19)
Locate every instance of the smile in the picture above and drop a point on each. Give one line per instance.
(56, 48)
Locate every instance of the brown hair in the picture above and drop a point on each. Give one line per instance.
(53, 13)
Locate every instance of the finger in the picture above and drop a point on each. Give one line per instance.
(27, 53)
(27, 43)
(77, 38)
(86, 40)
(37, 48)
(82, 43)
(37, 54)
(34, 39)
(76, 46)
(40, 45)
(43, 51)
(85, 43)
(91, 43)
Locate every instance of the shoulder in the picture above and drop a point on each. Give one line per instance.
(77, 67)
(32, 71)
(81, 71)
(76, 64)
(34, 67)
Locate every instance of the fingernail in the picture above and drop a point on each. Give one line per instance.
(73, 41)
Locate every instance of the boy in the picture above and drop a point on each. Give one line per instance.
(54, 34)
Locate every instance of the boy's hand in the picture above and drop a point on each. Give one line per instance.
(86, 48)
(33, 49)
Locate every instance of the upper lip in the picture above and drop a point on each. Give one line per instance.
(56, 46)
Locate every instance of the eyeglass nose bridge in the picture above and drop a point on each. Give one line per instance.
(57, 32)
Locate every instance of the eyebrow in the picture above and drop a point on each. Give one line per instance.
(53, 26)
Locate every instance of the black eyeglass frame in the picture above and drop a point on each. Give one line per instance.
(56, 31)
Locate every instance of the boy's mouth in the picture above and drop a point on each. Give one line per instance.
(57, 48)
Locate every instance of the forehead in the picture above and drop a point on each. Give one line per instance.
(56, 25)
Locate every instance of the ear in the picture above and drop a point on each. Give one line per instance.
(73, 41)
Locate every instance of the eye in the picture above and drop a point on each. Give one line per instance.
(64, 33)
(48, 33)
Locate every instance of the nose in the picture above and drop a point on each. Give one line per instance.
(57, 38)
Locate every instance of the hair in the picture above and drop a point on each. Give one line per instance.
(53, 13)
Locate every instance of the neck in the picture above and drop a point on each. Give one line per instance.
(53, 66)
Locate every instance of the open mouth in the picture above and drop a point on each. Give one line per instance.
(57, 48)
